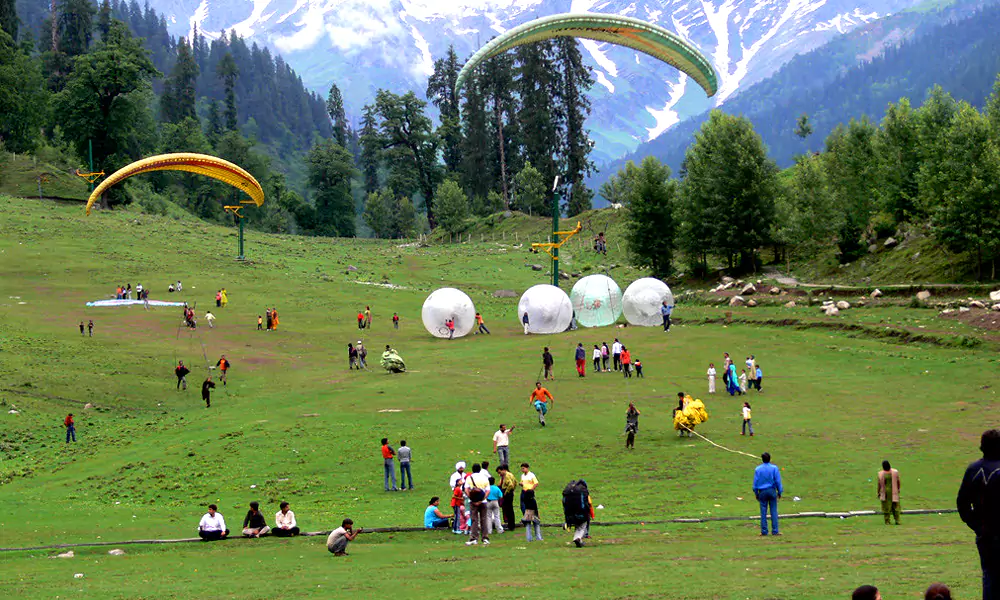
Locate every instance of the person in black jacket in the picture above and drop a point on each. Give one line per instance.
(181, 371)
(206, 391)
(979, 506)
(253, 524)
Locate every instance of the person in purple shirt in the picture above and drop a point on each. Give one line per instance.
(581, 360)
(767, 488)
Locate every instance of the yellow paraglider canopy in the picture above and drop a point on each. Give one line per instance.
(210, 166)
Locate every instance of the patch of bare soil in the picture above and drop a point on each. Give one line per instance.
(986, 320)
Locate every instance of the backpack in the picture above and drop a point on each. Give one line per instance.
(575, 508)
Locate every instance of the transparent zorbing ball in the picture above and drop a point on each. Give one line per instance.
(643, 299)
(444, 304)
(548, 307)
(597, 300)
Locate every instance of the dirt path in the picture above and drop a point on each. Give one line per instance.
(780, 278)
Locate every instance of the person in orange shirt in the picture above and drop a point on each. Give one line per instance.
(274, 319)
(223, 365)
(482, 325)
(540, 398)
(626, 362)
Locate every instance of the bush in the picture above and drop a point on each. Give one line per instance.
(883, 225)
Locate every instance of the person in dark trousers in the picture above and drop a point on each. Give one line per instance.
(81, 327)
(395, 321)
(388, 455)
(508, 484)
(665, 311)
(631, 425)
(482, 325)
(979, 506)
(547, 362)
(90, 328)
(887, 488)
(181, 372)
(260, 323)
(524, 321)
(284, 522)
(212, 525)
(638, 368)
(70, 428)
(403, 454)
(768, 489)
(223, 366)
(206, 391)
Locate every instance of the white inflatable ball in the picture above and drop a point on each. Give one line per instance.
(597, 300)
(444, 304)
(548, 308)
(643, 299)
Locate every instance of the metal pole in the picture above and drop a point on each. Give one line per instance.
(90, 151)
(555, 238)
(241, 257)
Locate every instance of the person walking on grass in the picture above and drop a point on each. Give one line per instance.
(978, 502)
(743, 381)
(508, 485)
(361, 320)
(390, 465)
(605, 355)
(352, 357)
(759, 377)
(626, 361)
(254, 525)
(747, 422)
(395, 321)
(887, 489)
(81, 328)
(581, 360)
(631, 425)
(596, 355)
(482, 325)
(211, 319)
(577, 509)
(212, 525)
(524, 321)
(90, 328)
(547, 362)
(768, 489)
(338, 539)
(284, 522)
(206, 391)
(260, 323)
(529, 504)
(362, 355)
(403, 454)
(477, 488)
(368, 317)
(539, 399)
(638, 368)
(616, 354)
(223, 366)
(181, 372)
(501, 444)
(665, 311)
(70, 425)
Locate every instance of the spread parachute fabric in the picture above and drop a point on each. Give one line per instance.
(392, 362)
(202, 164)
(694, 413)
(620, 30)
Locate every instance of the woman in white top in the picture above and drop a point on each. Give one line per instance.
(597, 358)
(212, 525)
(747, 423)
(711, 378)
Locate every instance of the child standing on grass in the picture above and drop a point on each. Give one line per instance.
(90, 330)
(747, 423)
(743, 381)
(711, 378)
(760, 377)
(457, 504)
(638, 368)
(71, 428)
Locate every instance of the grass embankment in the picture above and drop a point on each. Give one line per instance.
(22, 172)
(294, 424)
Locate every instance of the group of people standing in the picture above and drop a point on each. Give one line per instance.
(221, 298)
(736, 384)
(271, 319)
(618, 353)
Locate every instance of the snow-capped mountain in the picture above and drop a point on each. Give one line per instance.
(363, 45)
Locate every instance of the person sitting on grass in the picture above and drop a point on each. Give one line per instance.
(284, 522)
(254, 525)
(339, 537)
(433, 517)
(212, 525)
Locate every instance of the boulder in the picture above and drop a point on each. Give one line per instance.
(995, 296)
(832, 311)
(116, 552)
(923, 295)
(872, 248)
(748, 290)
(728, 279)
(563, 275)
(737, 301)
(790, 304)
(995, 307)
(751, 302)
(947, 311)
(88, 406)
(891, 242)
(728, 285)
(505, 294)
(976, 304)
(536, 267)
(66, 555)
(774, 291)
(964, 309)
(843, 305)
(877, 293)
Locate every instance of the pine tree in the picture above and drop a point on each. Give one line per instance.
(371, 149)
(574, 107)
(227, 71)
(76, 26)
(651, 228)
(335, 108)
(851, 169)
(497, 80)
(538, 88)
(178, 101)
(441, 93)
(477, 166)
(213, 129)
(104, 19)
(8, 18)
(330, 171)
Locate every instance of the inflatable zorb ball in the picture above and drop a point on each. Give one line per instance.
(597, 300)
(444, 304)
(548, 307)
(643, 299)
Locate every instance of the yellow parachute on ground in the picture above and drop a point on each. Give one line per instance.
(694, 413)
(202, 164)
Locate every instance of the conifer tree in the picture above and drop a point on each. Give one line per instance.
(227, 71)
(335, 108)
(441, 93)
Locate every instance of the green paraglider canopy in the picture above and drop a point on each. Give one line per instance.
(619, 30)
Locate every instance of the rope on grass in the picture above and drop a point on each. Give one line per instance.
(679, 520)
(718, 445)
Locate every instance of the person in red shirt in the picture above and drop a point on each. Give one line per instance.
(70, 428)
(388, 455)
(361, 321)
(626, 362)
(540, 398)
(223, 366)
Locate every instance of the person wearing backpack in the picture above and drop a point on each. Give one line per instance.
(577, 509)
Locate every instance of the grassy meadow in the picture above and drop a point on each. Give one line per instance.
(296, 425)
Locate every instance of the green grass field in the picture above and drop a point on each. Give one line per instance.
(296, 425)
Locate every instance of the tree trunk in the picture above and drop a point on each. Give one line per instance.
(503, 158)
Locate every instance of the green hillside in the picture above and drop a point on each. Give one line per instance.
(296, 425)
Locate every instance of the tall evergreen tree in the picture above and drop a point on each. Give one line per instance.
(498, 85)
(76, 26)
(335, 108)
(651, 217)
(104, 19)
(441, 93)
(8, 18)
(331, 168)
(227, 71)
(538, 88)
(477, 163)
(371, 148)
(410, 144)
(574, 107)
(178, 102)
(23, 99)
(851, 168)
(898, 162)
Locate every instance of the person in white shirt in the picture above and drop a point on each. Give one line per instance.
(212, 525)
(178, 287)
(458, 475)
(477, 488)
(743, 381)
(211, 319)
(711, 378)
(616, 354)
(597, 358)
(747, 423)
(284, 522)
(336, 543)
(501, 444)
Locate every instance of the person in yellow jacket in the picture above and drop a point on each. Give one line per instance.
(224, 297)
